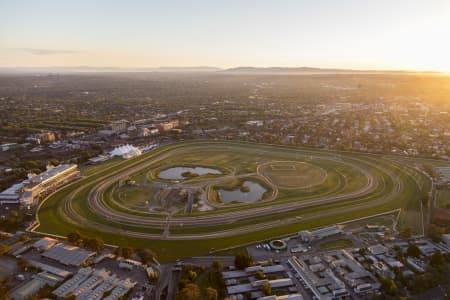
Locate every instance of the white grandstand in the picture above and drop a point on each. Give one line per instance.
(126, 151)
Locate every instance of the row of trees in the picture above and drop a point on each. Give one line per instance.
(94, 244)
(189, 289)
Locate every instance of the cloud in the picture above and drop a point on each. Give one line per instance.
(36, 51)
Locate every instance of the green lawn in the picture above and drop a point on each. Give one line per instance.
(342, 243)
(240, 158)
(443, 199)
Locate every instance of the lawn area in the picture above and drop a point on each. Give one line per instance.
(396, 186)
(384, 220)
(292, 174)
(342, 243)
(135, 197)
(443, 199)
(89, 170)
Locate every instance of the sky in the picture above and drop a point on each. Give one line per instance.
(356, 34)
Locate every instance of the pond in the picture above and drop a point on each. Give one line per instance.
(176, 173)
(255, 192)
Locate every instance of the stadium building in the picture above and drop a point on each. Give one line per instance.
(28, 192)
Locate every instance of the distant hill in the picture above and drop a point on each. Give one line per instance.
(87, 69)
(187, 69)
(203, 69)
(306, 71)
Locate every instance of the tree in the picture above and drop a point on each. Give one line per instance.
(388, 286)
(190, 292)
(437, 259)
(406, 233)
(3, 249)
(4, 288)
(259, 275)
(243, 260)
(398, 252)
(217, 265)
(127, 252)
(266, 289)
(146, 255)
(95, 244)
(54, 162)
(216, 281)
(362, 251)
(74, 237)
(413, 251)
(211, 294)
(435, 233)
(191, 275)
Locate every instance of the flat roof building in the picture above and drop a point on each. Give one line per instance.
(318, 234)
(283, 297)
(377, 249)
(45, 243)
(50, 269)
(33, 286)
(68, 255)
(11, 194)
(90, 284)
(443, 174)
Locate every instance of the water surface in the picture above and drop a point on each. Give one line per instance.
(255, 193)
(175, 173)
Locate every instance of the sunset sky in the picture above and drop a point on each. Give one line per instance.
(358, 34)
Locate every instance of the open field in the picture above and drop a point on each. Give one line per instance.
(387, 220)
(341, 243)
(443, 199)
(293, 175)
(342, 186)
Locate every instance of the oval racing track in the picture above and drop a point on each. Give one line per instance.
(98, 206)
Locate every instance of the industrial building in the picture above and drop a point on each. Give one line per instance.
(91, 284)
(309, 236)
(33, 286)
(68, 255)
(28, 192)
(330, 276)
(244, 282)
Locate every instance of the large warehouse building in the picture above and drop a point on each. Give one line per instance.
(28, 192)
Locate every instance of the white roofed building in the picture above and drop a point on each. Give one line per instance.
(126, 151)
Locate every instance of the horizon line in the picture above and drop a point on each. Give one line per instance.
(214, 69)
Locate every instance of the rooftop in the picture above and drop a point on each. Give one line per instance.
(68, 255)
(50, 173)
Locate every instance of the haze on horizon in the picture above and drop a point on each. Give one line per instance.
(352, 34)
